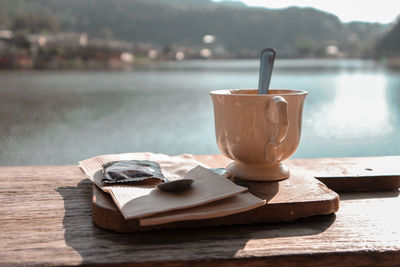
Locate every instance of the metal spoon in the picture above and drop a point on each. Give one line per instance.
(267, 59)
(175, 185)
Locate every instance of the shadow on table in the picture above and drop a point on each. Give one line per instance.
(366, 195)
(100, 246)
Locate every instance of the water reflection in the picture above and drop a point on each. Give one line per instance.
(353, 109)
(358, 109)
(393, 96)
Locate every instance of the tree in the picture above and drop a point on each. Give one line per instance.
(389, 45)
(35, 23)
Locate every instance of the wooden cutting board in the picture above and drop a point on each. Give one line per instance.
(302, 195)
(299, 196)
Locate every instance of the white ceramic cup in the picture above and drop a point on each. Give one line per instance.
(258, 132)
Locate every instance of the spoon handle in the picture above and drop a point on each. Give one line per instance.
(266, 66)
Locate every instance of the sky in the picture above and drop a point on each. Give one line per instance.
(383, 11)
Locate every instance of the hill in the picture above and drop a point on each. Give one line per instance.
(389, 45)
(239, 29)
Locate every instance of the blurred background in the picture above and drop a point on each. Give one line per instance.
(80, 78)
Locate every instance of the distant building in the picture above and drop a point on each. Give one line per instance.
(59, 50)
(6, 57)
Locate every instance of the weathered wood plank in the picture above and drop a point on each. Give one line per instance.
(45, 219)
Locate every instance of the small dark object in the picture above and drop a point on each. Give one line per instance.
(126, 171)
(176, 185)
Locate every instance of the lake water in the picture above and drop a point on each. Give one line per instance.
(61, 117)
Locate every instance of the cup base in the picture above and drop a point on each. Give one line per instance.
(259, 172)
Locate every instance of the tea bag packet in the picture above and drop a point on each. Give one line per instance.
(127, 171)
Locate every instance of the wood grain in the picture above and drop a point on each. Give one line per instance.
(45, 219)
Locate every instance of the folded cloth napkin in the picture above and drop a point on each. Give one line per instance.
(141, 201)
(239, 203)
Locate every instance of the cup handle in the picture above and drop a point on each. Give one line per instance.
(278, 114)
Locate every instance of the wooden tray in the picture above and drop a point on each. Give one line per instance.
(288, 200)
(301, 195)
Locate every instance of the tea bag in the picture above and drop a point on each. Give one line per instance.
(125, 171)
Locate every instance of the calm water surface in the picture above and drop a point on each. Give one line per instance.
(51, 117)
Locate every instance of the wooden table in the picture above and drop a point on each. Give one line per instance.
(45, 219)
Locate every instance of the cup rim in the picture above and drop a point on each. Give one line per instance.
(273, 92)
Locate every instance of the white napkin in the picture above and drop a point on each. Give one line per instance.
(239, 203)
